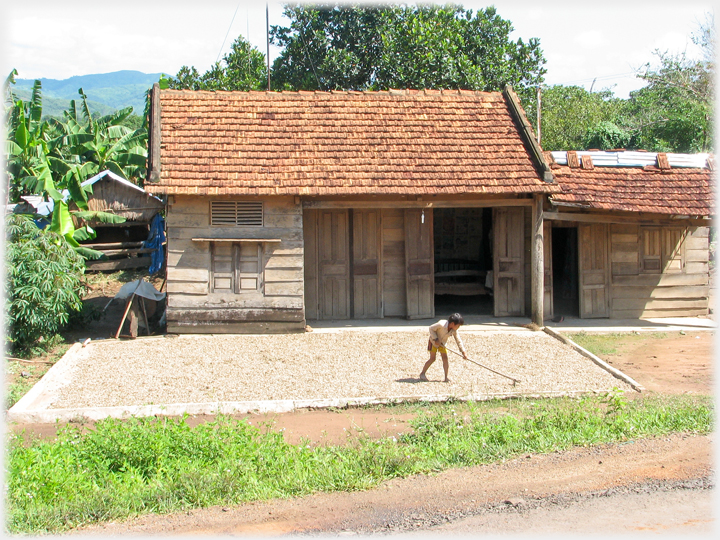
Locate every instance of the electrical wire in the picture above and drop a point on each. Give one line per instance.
(228, 33)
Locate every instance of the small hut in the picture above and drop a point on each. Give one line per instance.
(121, 242)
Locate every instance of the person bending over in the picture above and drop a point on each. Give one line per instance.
(439, 334)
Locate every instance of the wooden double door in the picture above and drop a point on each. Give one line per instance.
(344, 264)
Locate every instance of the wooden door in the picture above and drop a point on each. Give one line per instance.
(366, 264)
(419, 261)
(509, 261)
(333, 265)
(310, 242)
(547, 263)
(593, 263)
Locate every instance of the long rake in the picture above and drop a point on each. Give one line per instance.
(513, 379)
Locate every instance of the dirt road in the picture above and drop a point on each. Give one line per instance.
(657, 486)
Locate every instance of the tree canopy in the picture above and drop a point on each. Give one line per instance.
(243, 68)
(334, 47)
(673, 113)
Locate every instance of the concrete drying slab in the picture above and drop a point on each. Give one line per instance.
(35, 406)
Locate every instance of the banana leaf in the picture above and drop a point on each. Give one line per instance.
(12, 149)
(62, 223)
(90, 253)
(84, 233)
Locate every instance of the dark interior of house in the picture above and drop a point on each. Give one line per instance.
(565, 271)
(463, 258)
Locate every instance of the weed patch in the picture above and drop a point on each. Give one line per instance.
(612, 343)
(125, 468)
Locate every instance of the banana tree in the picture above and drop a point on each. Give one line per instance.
(26, 149)
(104, 141)
(41, 165)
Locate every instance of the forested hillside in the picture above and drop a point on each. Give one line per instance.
(106, 92)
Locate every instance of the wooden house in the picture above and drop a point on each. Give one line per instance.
(121, 242)
(628, 235)
(289, 207)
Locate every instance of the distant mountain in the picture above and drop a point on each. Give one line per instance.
(106, 92)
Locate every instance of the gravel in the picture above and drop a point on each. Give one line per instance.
(316, 365)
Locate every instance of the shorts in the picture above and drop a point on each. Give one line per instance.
(433, 348)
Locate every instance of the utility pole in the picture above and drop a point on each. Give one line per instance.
(267, 38)
(539, 111)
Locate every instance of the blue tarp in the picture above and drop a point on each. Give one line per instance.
(155, 241)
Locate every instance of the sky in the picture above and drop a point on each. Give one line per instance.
(598, 44)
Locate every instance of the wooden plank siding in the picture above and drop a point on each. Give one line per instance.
(276, 306)
(679, 288)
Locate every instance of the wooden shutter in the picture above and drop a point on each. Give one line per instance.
(248, 266)
(651, 250)
(310, 241)
(509, 261)
(419, 260)
(222, 267)
(333, 264)
(593, 252)
(366, 248)
(673, 251)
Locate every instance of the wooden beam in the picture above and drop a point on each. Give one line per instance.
(526, 133)
(537, 263)
(119, 264)
(239, 240)
(610, 218)
(154, 154)
(114, 245)
(490, 203)
(136, 251)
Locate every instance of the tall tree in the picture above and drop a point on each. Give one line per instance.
(243, 68)
(575, 119)
(332, 46)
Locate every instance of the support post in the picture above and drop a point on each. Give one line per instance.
(537, 266)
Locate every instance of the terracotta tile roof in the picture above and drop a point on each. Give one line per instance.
(679, 191)
(340, 143)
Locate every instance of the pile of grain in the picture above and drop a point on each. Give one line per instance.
(200, 369)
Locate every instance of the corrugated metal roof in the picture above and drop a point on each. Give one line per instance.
(634, 159)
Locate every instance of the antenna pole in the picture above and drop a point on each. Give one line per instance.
(539, 111)
(267, 36)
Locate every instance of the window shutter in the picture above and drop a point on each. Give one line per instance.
(236, 213)
(651, 250)
(673, 251)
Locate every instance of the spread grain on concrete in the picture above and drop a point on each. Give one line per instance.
(200, 369)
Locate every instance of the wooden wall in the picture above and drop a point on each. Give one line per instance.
(276, 307)
(680, 288)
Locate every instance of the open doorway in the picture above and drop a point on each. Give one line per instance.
(463, 261)
(566, 299)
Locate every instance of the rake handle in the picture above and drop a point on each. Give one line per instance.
(513, 379)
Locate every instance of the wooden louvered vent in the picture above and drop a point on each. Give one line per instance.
(236, 213)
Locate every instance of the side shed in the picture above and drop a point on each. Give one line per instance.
(629, 234)
(121, 242)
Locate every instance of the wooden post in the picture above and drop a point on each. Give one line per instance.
(537, 266)
(127, 308)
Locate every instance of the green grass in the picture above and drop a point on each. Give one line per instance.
(34, 371)
(602, 344)
(124, 468)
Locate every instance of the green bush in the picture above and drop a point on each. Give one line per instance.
(44, 282)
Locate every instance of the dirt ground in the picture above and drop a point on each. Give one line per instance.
(659, 486)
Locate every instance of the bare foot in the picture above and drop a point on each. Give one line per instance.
(423, 377)
(446, 380)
